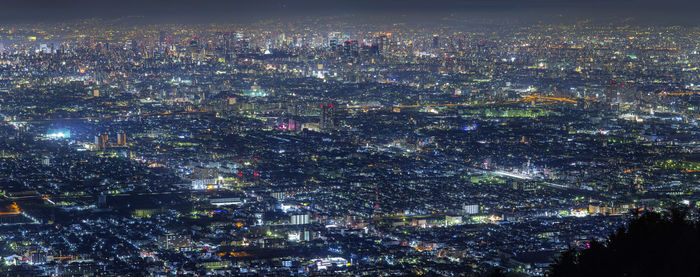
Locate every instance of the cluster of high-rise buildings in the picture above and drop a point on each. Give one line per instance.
(102, 141)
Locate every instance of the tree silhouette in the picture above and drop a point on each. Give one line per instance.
(651, 245)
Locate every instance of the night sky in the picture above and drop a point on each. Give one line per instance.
(684, 11)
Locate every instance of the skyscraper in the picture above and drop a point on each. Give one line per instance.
(351, 49)
(381, 43)
(101, 141)
(121, 139)
(327, 117)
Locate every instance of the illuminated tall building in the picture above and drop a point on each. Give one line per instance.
(194, 48)
(101, 141)
(381, 43)
(351, 49)
(612, 92)
(327, 117)
(121, 139)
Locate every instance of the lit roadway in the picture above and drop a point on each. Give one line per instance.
(480, 170)
(501, 173)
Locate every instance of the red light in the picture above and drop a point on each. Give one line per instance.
(255, 174)
(331, 105)
(240, 174)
